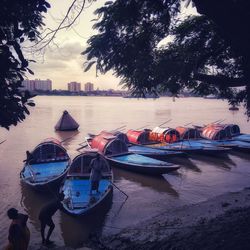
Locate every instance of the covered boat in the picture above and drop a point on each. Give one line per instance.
(140, 149)
(46, 165)
(77, 186)
(187, 133)
(214, 132)
(192, 147)
(164, 135)
(121, 136)
(138, 136)
(227, 135)
(66, 123)
(233, 130)
(116, 152)
(168, 135)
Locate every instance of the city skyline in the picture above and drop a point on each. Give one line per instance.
(62, 60)
(72, 86)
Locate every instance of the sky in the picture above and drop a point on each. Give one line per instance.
(62, 61)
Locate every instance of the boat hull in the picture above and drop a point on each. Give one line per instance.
(156, 153)
(144, 165)
(46, 183)
(192, 147)
(50, 186)
(103, 202)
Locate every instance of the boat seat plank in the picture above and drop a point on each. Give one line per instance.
(79, 191)
(44, 171)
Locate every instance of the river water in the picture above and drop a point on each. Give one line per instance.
(199, 178)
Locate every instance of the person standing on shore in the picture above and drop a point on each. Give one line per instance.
(96, 173)
(45, 217)
(19, 234)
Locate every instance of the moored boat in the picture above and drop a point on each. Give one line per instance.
(140, 149)
(186, 146)
(46, 166)
(117, 153)
(154, 152)
(77, 186)
(227, 135)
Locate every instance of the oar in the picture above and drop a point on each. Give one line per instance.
(118, 128)
(164, 122)
(188, 123)
(84, 146)
(221, 121)
(119, 189)
(141, 127)
(69, 137)
(2, 142)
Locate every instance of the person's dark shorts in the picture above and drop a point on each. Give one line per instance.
(94, 185)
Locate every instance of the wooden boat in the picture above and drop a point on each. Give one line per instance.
(47, 166)
(117, 153)
(242, 137)
(227, 135)
(143, 150)
(155, 152)
(77, 186)
(186, 146)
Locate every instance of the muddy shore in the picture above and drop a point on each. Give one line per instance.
(219, 223)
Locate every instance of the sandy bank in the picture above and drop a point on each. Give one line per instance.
(219, 223)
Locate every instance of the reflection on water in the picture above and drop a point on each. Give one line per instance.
(219, 161)
(158, 183)
(84, 226)
(198, 179)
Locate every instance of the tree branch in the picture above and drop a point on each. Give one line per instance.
(52, 32)
(220, 80)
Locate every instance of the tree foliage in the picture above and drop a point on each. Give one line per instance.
(208, 53)
(19, 22)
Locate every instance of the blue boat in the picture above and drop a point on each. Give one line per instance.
(140, 149)
(154, 152)
(242, 137)
(117, 153)
(227, 134)
(191, 147)
(166, 139)
(77, 186)
(46, 166)
(141, 164)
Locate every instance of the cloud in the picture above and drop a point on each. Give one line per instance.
(67, 51)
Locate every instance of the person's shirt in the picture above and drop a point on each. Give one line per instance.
(23, 219)
(96, 170)
(15, 235)
(49, 210)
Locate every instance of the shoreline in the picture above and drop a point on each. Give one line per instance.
(203, 225)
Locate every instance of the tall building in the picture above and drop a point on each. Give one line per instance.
(89, 87)
(74, 87)
(37, 84)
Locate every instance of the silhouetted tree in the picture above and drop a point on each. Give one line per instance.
(209, 53)
(19, 22)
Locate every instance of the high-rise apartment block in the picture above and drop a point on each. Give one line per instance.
(74, 87)
(37, 84)
(88, 87)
